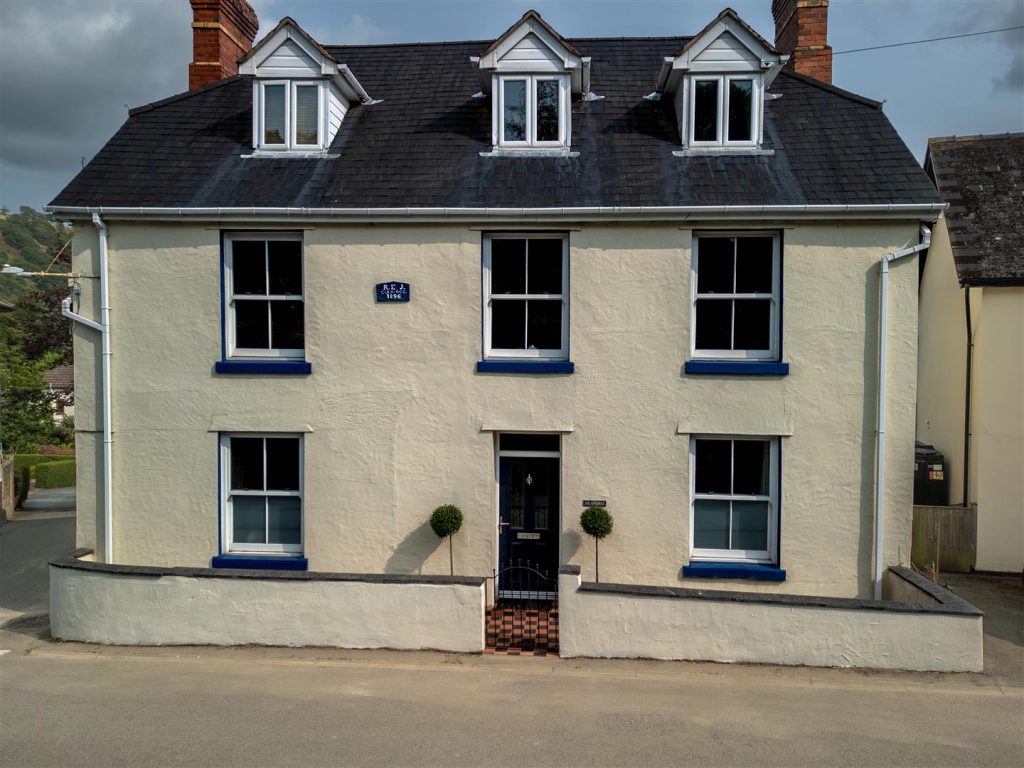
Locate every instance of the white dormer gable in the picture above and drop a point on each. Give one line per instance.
(717, 82)
(532, 74)
(300, 93)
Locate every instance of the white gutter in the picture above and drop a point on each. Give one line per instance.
(104, 328)
(883, 344)
(926, 211)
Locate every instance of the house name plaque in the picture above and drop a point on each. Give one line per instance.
(392, 291)
(595, 502)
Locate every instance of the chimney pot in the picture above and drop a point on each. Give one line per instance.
(223, 31)
(801, 30)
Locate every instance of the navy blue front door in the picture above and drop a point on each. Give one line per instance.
(528, 550)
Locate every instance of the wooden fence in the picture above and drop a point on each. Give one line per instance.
(946, 535)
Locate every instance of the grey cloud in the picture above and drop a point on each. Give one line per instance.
(994, 14)
(67, 70)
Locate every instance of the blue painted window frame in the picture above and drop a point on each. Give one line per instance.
(254, 365)
(288, 561)
(737, 366)
(736, 569)
(527, 365)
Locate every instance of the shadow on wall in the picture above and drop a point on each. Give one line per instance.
(414, 550)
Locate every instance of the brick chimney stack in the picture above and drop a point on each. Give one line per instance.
(801, 30)
(222, 32)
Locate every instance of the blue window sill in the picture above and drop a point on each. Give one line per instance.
(292, 367)
(266, 563)
(525, 366)
(734, 571)
(737, 367)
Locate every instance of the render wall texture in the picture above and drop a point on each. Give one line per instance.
(117, 609)
(396, 421)
(997, 399)
(607, 625)
(998, 429)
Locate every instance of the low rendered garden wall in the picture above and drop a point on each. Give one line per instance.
(923, 626)
(141, 605)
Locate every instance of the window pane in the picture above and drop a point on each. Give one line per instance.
(705, 111)
(248, 519)
(288, 325)
(284, 520)
(307, 114)
(529, 443)
(547, 110)
(508, 324)
(715, 264)
(282, 464)
(712, 466)
(750, 467)
(508, 266)
(285, 260)
(515, 110)
(754, 264)
(753, 324)
(544, 324)
(540, 488)
(515, 496)
(545, 272)
(246, 463)
(252, 330)
(750, 525)
(273, 114)
(741, 97)
(714, 323)
(710, 524)
(249, 267)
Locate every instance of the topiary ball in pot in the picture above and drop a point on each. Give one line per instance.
(446, 520)
(596, 522)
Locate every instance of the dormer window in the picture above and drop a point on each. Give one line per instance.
(291, 115)
(532, 111)
(717, 83)
(531, 74)
(723, 110)
(300, 93)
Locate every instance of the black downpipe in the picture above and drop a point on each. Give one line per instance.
(967, 396)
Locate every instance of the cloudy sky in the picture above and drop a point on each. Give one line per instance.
(69, 69)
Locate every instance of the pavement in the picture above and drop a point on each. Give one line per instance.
(89, 705)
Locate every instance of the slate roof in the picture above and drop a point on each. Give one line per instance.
(982, 179)
(420, 147)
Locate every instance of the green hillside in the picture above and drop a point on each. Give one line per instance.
(30, 240)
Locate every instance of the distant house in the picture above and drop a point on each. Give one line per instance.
(971, 350)
(61, 381)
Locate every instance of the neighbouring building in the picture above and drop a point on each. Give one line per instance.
(971, 349)
(61, 382)
(524, 276)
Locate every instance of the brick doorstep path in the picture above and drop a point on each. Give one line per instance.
(523, 628)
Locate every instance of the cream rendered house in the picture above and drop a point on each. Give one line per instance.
(971, 355)
(523, 276)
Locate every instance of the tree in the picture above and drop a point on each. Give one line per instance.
(27, 418)
(43, 330)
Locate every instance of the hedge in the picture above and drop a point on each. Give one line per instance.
(55, 474)
(30, 460)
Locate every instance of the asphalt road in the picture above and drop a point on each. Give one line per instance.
(83, 705)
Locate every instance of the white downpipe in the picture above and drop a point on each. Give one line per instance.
(883, 345)
(108, 440)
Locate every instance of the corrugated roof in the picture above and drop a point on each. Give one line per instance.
(421, 146)
(982, 179)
